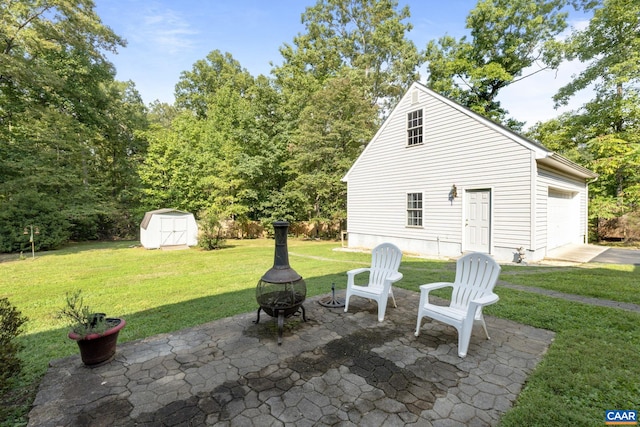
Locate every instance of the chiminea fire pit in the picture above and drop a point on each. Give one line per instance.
(281, 291)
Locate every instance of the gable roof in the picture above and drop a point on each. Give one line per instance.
(542, 154)
(147, 216)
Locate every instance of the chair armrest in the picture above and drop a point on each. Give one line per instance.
(357, 271)
(428, 287)
(479, 302)
(394, 277)
(351, 275)
(433, 286)
(485, 300)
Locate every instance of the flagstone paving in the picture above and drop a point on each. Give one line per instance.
(336, 368)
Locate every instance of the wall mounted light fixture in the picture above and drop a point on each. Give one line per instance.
(453, 193)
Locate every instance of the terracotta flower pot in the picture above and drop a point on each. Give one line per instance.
(99, 348)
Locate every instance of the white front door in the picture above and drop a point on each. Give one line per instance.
(478, 221)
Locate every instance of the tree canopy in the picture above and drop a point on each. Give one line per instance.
(83, 158)
(68, 151)
(507, 38)
(604, 133)
(367, 37)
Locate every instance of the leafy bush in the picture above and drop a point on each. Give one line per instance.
(58, 223)
(211, 234)
(30, 208)
(104, 225)
(11, 321)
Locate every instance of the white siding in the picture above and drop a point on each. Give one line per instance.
(463, 149)
(458, 149)
(169, 228)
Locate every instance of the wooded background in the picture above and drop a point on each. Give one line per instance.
(82, 157)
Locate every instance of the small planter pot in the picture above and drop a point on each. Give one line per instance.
(96, 349)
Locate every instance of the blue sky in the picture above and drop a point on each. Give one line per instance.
(166, 37)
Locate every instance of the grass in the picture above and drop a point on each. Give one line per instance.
(592, 280)
(593, 364)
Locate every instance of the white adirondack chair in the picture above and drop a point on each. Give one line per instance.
(476, 276)
(385, 260)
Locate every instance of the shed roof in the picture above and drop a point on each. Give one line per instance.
(147, 216)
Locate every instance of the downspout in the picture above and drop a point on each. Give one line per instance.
(533, 205)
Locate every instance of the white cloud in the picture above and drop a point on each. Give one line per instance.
(163, 30)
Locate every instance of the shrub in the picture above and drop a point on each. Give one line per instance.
(30, 208)
(11, 321)
(211, 235)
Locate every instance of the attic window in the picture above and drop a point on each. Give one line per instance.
(414, 128)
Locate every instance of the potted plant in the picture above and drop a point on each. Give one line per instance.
(95, 333)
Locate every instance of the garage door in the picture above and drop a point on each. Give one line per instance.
(563, 219)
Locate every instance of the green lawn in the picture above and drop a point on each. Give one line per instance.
(593, 364)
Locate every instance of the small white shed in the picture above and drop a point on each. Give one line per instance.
(168, 227)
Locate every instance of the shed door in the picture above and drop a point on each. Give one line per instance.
(563, 219)
(478, 221)
(173, 230)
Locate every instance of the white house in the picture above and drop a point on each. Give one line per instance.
(439, 179)
(168, 227)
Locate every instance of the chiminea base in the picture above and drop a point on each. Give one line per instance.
(281, 313)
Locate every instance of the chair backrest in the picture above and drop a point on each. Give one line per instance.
(385, 259)
(476, 275)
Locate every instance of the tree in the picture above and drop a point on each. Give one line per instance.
(617, 161)
(264, 150)
(611, 46)
(244, 150)
(58, 103)
(207, 76)
(333, 131)
(118, 149)
(175, 164)
(11, 321)
(603, 133)
(161, 114)
(507, 38)
(369, 36)
(222, 154)
(337, 79)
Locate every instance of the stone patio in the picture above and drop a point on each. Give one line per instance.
(337, 368)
